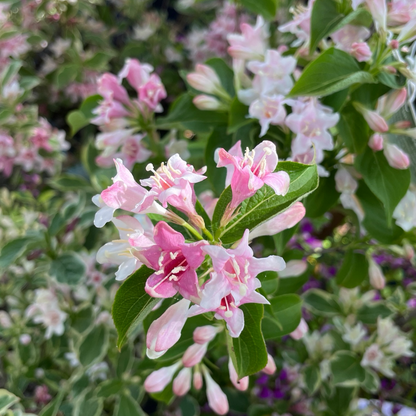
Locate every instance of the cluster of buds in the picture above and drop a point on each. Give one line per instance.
(124, 121)
(205, 273)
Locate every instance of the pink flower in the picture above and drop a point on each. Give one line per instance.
(165, 331)
(205, 334)
(311, 120)
(376, 142)
(104, 214)
(348, 35)
(236, 271)
(173, 183)
(248, 173)
(270, 368)
(204, 79)
(133, 151)
(400, 12)
(194, 354)
(251, 44)
(241, 384)
(274, 72)
(109, 87)
(182, 382)
(283, 221)
(300, 331)
(175, 263)
(159, 379)
(126, 193)
(361, 51)
(217, 400)
(208, 202)
(300, 26)
(152, 93)
(396, 157)
(136, 73)
(268, 110)
(378, 9)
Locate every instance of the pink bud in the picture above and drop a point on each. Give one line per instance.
(294, 268)
(194, 354)
(197, 380)
(25, 339)
(204, 79)
(206, 102)
(374, 120)
(390, 69)
(361, 51)
(409, 252)
(204, 334)
(283, 221)
(159, 379)
(166, 330)
(217, 400)
(270, 368)
(394, 44)
(377, 279)
(241, 384)
(376, 142)
(396, 157)
(182, 382)
(390, 103)
(300, 331)
(403, 124)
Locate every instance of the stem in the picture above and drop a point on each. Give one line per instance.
(192, 230)
(208, 234)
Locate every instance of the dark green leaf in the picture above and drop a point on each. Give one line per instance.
(68, 182)
(282, 316)
(388, 184)
(109, 388)
(265, 204)
(237, 116)
(127, 406)
(68, 268)
(312, 376)
(332, 71)
(354, 270)
(66, 74)
(267, 8)
(368, 314)
(220, 207)
(322, 303)
(248, 351)
(94, 346)
(346, 368)
(132, 304)
(353, 129)
(14, 249)
(225, 74)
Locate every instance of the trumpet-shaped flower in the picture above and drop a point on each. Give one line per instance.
(175, 263)
(248, 173)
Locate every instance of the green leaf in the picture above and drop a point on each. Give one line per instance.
(68, 268)
(28, 83)
(11, 71)
(354, 270)
(388, 184)
(132, 304)
(332, 71)
(375, 220)
(109, 388)
(312, 377)
(68, 182)
(265, 204)
(266, 8)
(78, 119)
(184, 115)
(99, 61)
(248, 351)
(220, 207)
(66, 74)
(346, 368)
(322, 303)
(323, 199)
(7, 400)
(336, 100)
(353, 129)
(282, 316)
(94, 346)
(14, 249)
(368, 314)
(91, 407)
(371, 382)
(189, 406)
(324, 18)
(237, 116)
(339, 402)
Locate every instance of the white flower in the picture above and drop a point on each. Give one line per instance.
(405, 212)
(354, 335)
(386, 331)
(372, 357)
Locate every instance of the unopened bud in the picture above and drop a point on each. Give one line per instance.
(159, 379)
(25, 339)
(270, 368)
(197, 380)
(376, 142)
(394, 44)
(361, 51)
(396, 157)
(206, 102)
(182, 382)
(377, 279)
(409, 251)
(241, 384)
(204, 334)
(300, 331)
(194, 354)
(204, 79)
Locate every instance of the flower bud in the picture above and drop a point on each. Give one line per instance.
(241, 384)
(182, 382)
(204, 334)
(294, 268)
(396, 157)
(194, 354)
(377, 279)
(374, 120)
(361, 51)
(300, 331)
(207, 102)
(25, 339)
(376, 142)
(217, 400)
(5, 320)
(409, 252)
(159, 379)
(270, 368)
(204, 79)
(197, 380)
(394, 44)
(390, 103)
